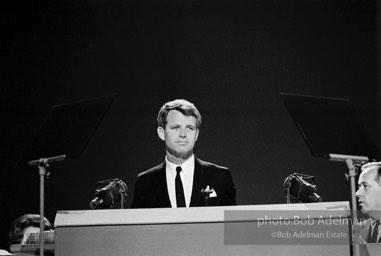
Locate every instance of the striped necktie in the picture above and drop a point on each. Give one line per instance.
(375, 232)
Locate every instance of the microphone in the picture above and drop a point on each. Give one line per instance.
(96, 202)
(301, 189)
(107, 195)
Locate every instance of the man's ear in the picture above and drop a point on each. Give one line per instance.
(197, 132)
(161, 132)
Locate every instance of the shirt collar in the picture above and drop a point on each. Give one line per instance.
(186, 167)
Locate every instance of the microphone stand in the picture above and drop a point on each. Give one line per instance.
(352, 172)
(353, 163)
(43, 164)
(287, 185)
(122, 192)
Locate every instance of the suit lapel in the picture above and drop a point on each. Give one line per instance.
(365, 230)
(198, 183)
(160, 187)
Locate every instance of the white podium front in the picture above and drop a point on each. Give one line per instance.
(183, 231)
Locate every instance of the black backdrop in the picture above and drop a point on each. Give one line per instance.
(231, 58)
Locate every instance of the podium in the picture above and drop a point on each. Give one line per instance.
(31, 249)
(183, 231)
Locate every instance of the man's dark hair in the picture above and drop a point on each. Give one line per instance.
(185, 107)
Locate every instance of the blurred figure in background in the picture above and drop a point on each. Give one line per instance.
(27, 223)
(369, 198)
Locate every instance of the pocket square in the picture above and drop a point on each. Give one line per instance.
(213, 194)
(207, 192)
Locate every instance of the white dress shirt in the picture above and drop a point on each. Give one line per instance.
(186, 176)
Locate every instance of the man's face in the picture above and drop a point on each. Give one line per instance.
(369, 192)
(180, 134)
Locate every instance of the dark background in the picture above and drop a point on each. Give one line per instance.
(231, 58)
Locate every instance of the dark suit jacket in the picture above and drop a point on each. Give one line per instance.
(366, 248)
(365, 230)
(151, 186)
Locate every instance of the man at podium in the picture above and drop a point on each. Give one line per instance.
(182, 180)
(369, 197)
